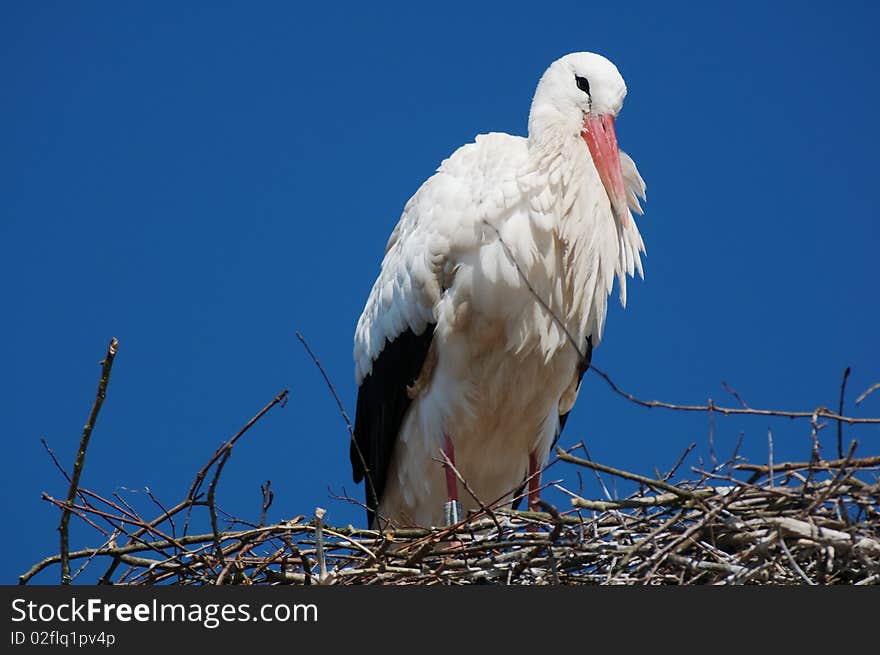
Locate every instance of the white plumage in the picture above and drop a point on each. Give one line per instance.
(505, 230)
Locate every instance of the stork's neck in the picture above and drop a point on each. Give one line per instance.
(550, 129)
(566, 196)
(560, 166)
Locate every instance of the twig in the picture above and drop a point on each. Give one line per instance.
(820, 412)
(164, 510)
(329, 384)
(712, 457)
(281, 399)
(678, 463)
(268, 497)
(212, 507)
(659, 484)
(864, 462)
(319, 544)
(54, 459)
(599, 479)
(840, 411)
(582, 356)
(664, 500)
(64, 527)
(793, 563)
(367, 472)
(732, 392)
(867, 392)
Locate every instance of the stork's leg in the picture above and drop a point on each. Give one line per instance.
(452, 508)
(534, 487)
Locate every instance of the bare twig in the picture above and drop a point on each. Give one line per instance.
(867, 392)
(64, 527)
(319, 543)
(651, 482)
(794, 563)
(368, 475)
(840, 412)
(733, 392)
(212, 507)
(821, 412)
(864, 462)
(280, 399)
(582, 355)
(268, 497)
(679, 462)
(54, 459)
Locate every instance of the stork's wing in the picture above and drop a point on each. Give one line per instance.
(392, 340)
(394, 332)
(583, 367)
(381, 406)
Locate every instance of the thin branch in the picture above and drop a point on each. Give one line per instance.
(212, 507)
(55, 459)
(281, 399)
(671, 472)
(319, 543)
(794, 563)
(652, 482)
(864, 462)
(268, 497)
(733, 392)
(840, 411)
(660, 500)
(329, 383)
(867, 392)
(821, 412)
(368, 474)
(79, 463)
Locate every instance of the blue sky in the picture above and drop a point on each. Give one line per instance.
(202, 182)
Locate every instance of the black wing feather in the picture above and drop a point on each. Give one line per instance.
(381, 405)
(583, 367)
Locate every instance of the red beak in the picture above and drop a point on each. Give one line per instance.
(599, 134)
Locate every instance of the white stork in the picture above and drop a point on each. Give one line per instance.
(493, 291)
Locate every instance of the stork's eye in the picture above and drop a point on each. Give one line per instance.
(583, 84)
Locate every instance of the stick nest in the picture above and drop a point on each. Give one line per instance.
(813, 522)
(799, 523)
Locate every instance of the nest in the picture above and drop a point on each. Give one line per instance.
(811, 522)
(797, 523)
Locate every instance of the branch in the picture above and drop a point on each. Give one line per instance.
(864, 462)
(368, 474)
(665, 500)
(819, 412)
(651, 482)
(867, 392)
(64, 527)
(281, 399)
(840, 411)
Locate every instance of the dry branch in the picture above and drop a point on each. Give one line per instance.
(819, 412)
(79, 463)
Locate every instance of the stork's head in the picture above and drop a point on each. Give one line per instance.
(579, 97)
